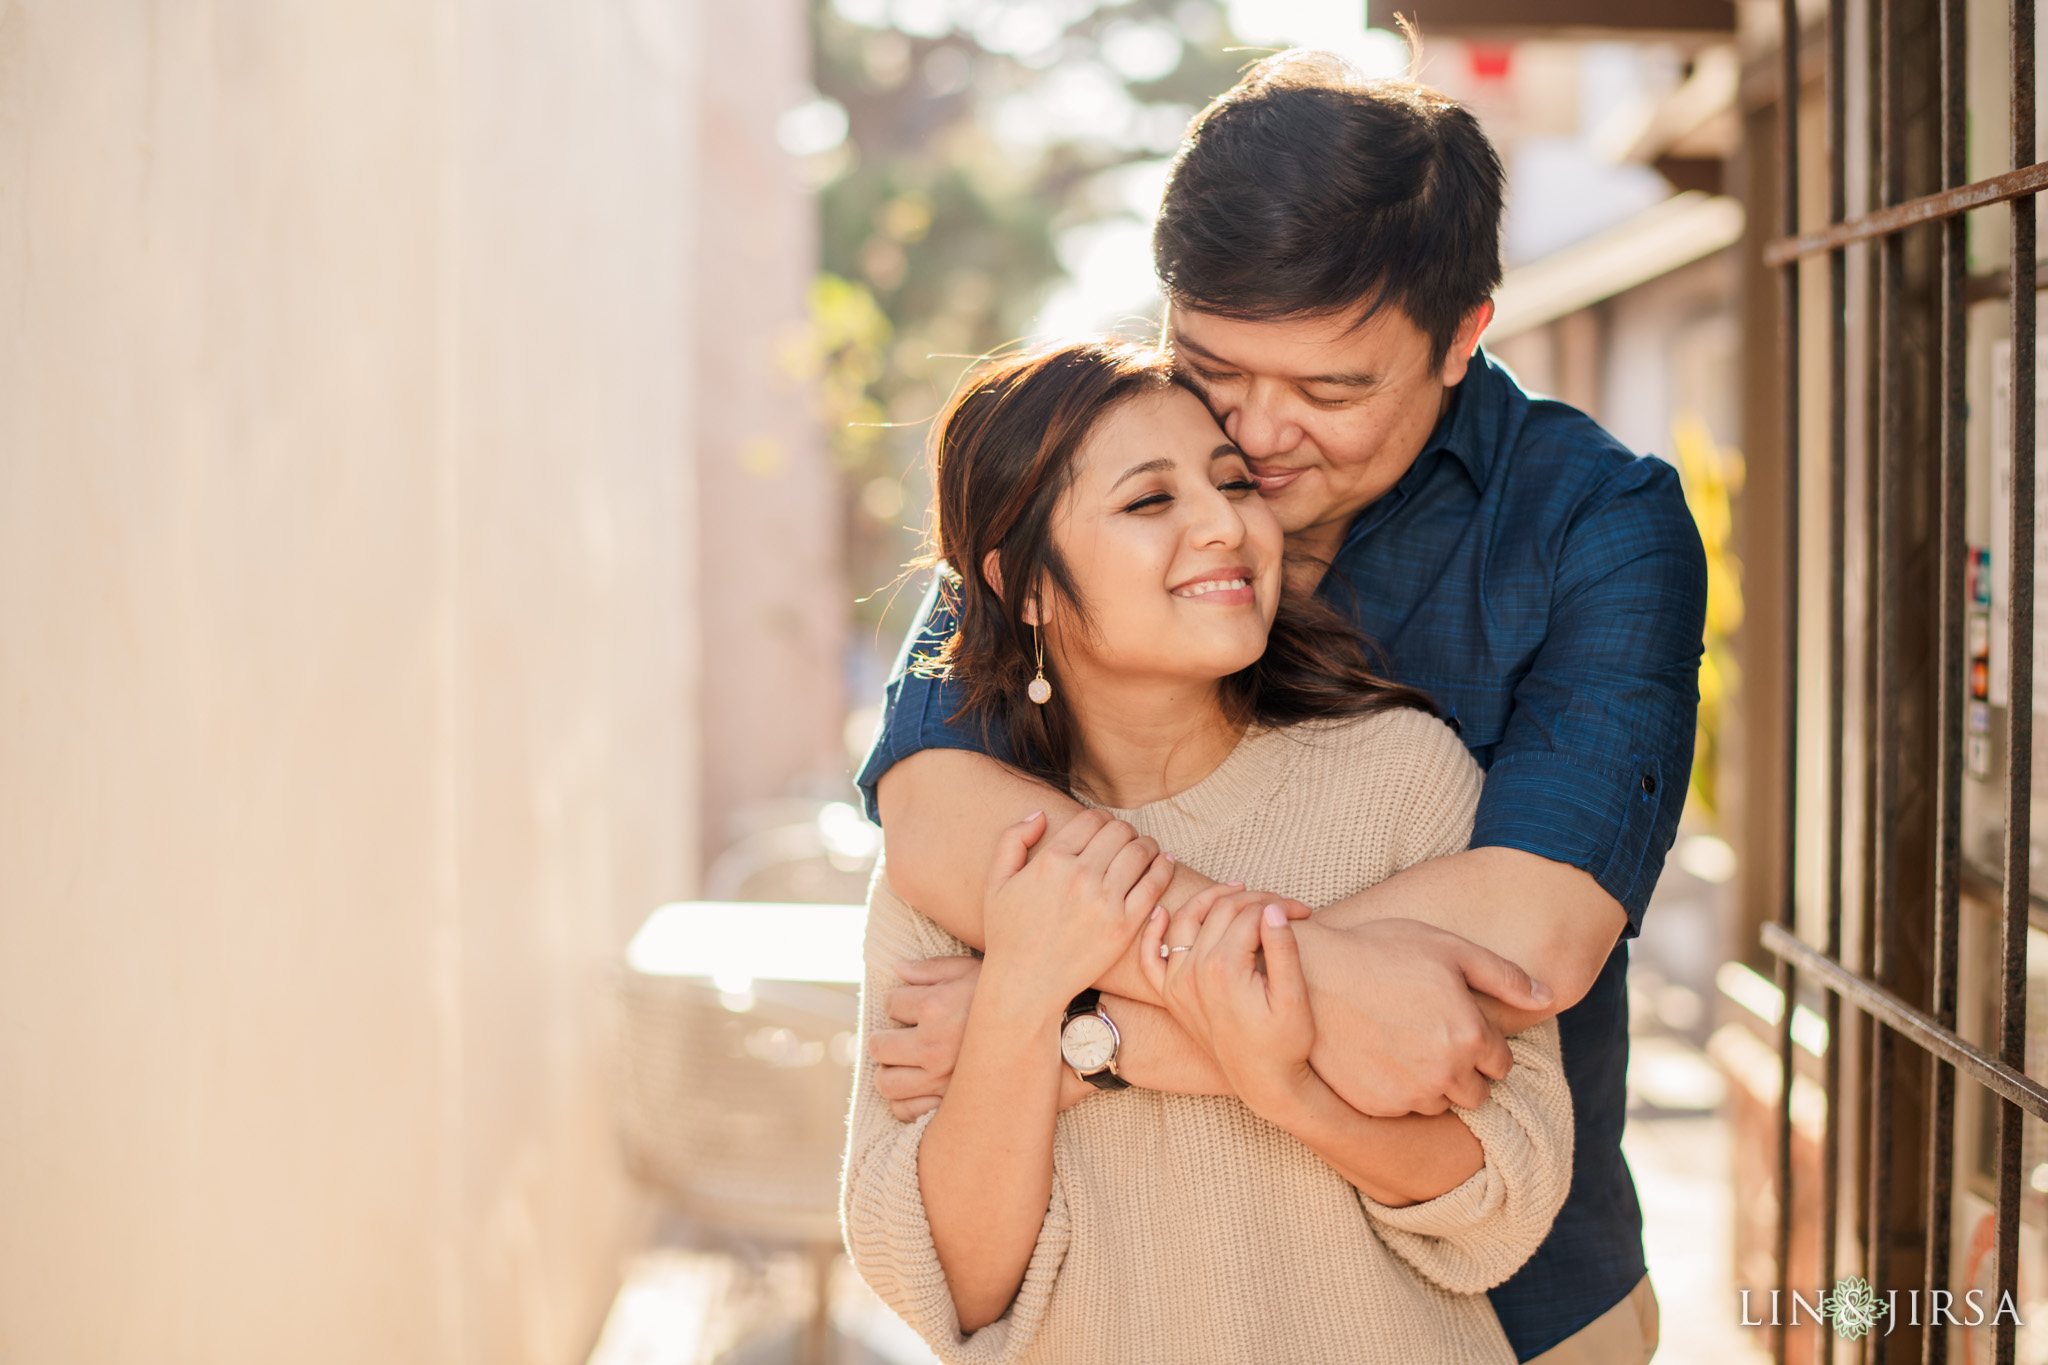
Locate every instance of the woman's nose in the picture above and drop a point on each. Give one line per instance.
(1221, 525)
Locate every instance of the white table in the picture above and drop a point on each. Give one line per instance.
(736, 943)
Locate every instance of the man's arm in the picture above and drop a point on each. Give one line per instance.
(1561, 932)
(1584, 793)
(1398, 1029)
(916, 1062)
(1579, 807)
(943, 801)
(1405, 1033)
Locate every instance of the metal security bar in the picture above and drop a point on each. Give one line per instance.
(2028, 180)
(1910, 1055)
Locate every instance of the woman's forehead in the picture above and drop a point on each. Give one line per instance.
(1165, 425)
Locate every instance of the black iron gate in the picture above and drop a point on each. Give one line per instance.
(1909, 292)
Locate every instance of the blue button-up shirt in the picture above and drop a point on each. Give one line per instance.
(1547, 588)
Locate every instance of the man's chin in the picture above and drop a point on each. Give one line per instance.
(1294, 512)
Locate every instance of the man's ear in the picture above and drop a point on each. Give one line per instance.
(1459, 358)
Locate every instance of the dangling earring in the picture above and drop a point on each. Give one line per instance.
(1040, 690)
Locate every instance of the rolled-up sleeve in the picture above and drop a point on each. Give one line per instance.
(1593, 767)
(917, 707)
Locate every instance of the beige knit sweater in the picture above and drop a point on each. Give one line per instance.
(1185, 1228)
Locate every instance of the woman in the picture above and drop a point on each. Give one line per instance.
(1122, 621)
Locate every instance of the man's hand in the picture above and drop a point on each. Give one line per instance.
(1399, 1029)
(917, 1060)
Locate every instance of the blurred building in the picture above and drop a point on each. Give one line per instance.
(415, 549)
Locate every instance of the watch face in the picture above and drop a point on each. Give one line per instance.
(1088, 1042)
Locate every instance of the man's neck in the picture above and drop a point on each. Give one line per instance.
(1311, 551)
(1143, 740)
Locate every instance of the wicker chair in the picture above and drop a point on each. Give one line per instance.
(739, 1026)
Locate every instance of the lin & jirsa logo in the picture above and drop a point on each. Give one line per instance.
(1855, 1309)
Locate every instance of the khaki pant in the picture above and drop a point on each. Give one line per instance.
(1625, 1334)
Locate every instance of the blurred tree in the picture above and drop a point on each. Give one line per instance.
(954, 143)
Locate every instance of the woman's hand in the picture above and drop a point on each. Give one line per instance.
(1225, 899)
(1256, 1023)
(1058, 921)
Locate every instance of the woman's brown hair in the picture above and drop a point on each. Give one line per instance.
(1003, 456)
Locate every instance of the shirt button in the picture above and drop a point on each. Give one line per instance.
(1649, 785)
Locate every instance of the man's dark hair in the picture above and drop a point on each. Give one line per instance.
(1307, 188)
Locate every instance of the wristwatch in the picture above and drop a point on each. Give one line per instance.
(1089, 1042)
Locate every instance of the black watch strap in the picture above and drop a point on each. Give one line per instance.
(1090, 1002)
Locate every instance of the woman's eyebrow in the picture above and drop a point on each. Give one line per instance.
(1224, 451)
(1148, 467)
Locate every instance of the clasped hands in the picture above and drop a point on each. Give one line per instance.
(1204, 963)
(1379, 1011)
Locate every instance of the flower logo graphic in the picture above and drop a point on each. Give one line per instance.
(1854, 1307)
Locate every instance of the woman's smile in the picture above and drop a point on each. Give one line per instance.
(1231, 587)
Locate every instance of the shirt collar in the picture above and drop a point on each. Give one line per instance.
(1470, 428)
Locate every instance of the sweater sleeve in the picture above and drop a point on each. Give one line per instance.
(1472, 1238)
(881, 1202)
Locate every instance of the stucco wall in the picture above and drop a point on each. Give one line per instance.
(775, 624)
(347, 646)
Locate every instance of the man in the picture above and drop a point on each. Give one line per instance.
(1329, 248)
